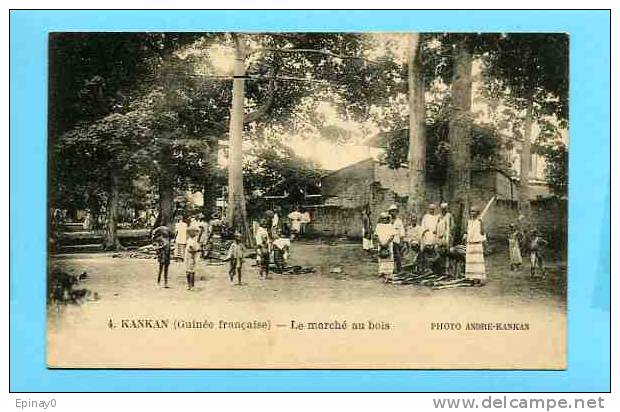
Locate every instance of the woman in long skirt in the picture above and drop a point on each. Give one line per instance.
(384, 232)
(474, 255)
(180, 229)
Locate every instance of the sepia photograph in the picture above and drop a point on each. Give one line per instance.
(320, 200)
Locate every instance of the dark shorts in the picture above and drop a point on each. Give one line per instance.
(163, 259)
(264, 260)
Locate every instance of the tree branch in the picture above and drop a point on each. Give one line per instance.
(257, 114)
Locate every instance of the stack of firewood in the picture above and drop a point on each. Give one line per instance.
(429, 279)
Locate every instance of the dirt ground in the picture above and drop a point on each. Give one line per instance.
(126, 288)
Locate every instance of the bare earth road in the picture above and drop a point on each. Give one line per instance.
(398, 326)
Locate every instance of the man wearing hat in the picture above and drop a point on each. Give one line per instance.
(384, 234)
(399, 233)
(445, 224)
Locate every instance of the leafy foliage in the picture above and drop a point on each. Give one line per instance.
(485, 144)
(274, 169)
(531, 66)
(556, 172)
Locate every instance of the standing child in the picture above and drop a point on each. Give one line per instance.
(191, 253)
(536, 249)
(235, 256)
(262, 250)
(513, 247)
(161, 242)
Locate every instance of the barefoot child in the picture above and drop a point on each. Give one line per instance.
(536, 249)
(192, 249)
(161, 243)
(235, 256)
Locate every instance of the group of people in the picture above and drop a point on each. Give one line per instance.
(432, 245)
(273, 238)
(431, 242)
(191, 240)
(294, 225)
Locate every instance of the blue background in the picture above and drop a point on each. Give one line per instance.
(589, 273)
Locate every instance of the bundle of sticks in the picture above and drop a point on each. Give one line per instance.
(430, 279)
(408, 276)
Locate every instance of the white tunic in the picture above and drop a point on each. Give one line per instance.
(181, 230)
(429, 226)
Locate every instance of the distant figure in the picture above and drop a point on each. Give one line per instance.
(191, 254)
(295, 219)
(275, 223)
(263, 249)
(235, 256)
(101, 221)
(384, 233)
(514, 248)
(204, 236)
(366, 229)
(180, 230)
(537, 245)
(399, 234)
(474, 252)
(161, 243)
(152, 219)
(88, 222)
(305, 221)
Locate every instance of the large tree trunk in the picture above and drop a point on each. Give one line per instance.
(211, 188)
(236, 215)
(526, 160)
(417, 135)
(166, 188)
(111, 242)
(459, 137)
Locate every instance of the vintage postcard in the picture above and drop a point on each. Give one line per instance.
(307, 200)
